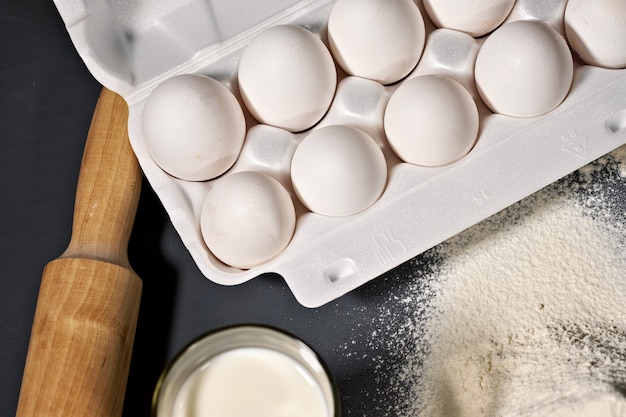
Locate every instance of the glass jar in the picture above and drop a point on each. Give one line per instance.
(246, 370)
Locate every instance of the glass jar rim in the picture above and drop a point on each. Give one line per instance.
(241, 336)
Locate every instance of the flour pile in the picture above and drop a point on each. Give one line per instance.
(523, 314)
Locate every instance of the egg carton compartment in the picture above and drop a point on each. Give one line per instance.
(132, 47)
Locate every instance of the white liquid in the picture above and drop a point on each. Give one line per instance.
(251, 382)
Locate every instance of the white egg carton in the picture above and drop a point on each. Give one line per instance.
(132, 46)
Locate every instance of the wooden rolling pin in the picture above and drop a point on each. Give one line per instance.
(84, 326)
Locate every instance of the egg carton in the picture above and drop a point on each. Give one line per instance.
(131, 47)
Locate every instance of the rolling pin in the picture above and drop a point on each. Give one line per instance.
(84, 326)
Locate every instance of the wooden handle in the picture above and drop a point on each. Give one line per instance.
(108, 186)
(84, 326)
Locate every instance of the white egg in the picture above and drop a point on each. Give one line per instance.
(596, 31)
(431, 120)
(287, 77)
(247, 219)
(474, 17)
(193, 127)
(338, 170)
(379, 40)
(524, 69)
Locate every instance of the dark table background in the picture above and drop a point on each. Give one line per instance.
(47, 97)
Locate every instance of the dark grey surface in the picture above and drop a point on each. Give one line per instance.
(47, 97)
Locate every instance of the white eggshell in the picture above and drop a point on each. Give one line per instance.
(338, 170)
(193, 127)
(524, 69)
(379, 40)
(431, 120)
(596, 30)
(247, 219)
(474, 17)
(287, 77)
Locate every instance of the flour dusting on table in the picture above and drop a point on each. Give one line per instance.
(523, 314)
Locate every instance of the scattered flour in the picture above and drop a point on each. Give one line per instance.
(604, 405)
(519, 314)
(522, 315)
